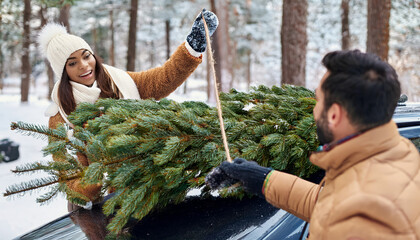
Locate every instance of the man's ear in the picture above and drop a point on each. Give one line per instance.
(335, 115)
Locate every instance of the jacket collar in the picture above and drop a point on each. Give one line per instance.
(357, 149)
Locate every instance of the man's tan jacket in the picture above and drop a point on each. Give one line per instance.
(371, 189)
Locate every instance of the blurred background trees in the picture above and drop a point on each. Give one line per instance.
(258, 41)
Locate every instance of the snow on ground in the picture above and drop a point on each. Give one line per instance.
(21, 214)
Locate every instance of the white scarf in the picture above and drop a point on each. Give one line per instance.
(82, 93)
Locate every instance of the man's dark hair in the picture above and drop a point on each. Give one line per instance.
(366, 87)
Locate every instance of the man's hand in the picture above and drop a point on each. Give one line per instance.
(197, 37)
(249, 173)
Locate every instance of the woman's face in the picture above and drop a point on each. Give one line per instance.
(80, 67)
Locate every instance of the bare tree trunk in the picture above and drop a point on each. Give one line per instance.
(293, 41)
(1, 56)
(112, 47)
(64, 16)
(210, 91)
(379, 12)
(248, 69)
(26, 65)
(132, 36)
(234, 63)
(152, 54)
(345, 29)
(216, 52)
(168, 38)
(50, 73)
(223, 40)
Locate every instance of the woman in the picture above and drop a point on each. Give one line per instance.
(83, 78)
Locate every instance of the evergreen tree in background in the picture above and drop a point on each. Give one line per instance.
(153, 152)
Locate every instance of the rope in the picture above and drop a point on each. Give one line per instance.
(210, 59)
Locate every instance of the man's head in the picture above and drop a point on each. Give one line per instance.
(359, 87)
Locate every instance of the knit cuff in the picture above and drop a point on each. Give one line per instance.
(266, 182)
(192, 51)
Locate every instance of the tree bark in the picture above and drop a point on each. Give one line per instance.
(379, 12)
(168, 38)
(1, 56)
(345, 29)
(293, 41)
(221, 45)
(26, 65)
(50, 73)
(64, 16)
(95, 39)
(112, 47)
(132, 36)
(223, 40)
(216, 52)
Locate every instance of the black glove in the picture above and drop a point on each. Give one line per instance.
(197, 37)
(218, 179)
(250, 174)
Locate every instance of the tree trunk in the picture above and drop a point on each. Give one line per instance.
(216, 54)
(210, 91)
(224, 45)
(234, 63)
(293, 41)
(64, 16)
(95, 39)
(1, 56)
(50, 73)
(345, 29)
(112, 47)
(26, 65)
(168, 38)
(379, 12)
(248, 70)
(132, 36)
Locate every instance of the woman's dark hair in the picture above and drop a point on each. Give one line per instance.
(366, 87)
(65, 91)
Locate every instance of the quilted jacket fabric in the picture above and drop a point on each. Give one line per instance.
(371, 189)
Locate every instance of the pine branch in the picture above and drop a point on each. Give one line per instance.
(37, 131)
(153, 152)
(30, 186)
(48, 197)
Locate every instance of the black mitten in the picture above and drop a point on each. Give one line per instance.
(197, 37)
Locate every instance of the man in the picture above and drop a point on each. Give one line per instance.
(371, 188)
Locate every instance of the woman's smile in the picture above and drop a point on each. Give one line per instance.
(80, 67)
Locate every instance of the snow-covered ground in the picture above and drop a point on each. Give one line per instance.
(21, 214)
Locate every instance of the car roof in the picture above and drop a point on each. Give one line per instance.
(407, 114)
(194, 218)
(215, 218)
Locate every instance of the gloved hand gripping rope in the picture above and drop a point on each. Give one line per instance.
(250, 174)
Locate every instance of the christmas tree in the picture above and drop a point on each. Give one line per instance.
(153, 152)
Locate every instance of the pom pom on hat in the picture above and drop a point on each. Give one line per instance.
(57, 45)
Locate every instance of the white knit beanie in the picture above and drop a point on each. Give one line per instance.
(57, 45)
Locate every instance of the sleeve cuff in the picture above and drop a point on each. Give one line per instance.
(266, 182)
(192, 51)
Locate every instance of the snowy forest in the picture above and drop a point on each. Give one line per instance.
(258, 42)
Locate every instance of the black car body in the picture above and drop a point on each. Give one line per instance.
(210, 218)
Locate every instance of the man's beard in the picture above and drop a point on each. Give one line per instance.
(324, 133)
